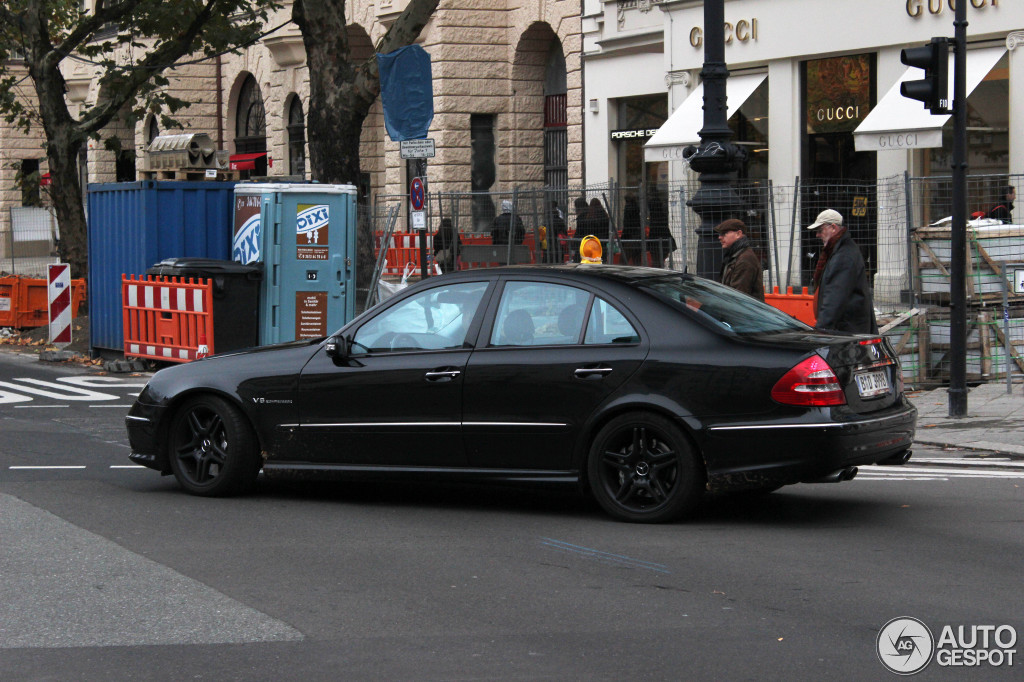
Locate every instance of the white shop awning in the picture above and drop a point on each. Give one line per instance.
(683, 127)
(898, 122)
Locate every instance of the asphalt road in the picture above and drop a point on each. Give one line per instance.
(111, 573)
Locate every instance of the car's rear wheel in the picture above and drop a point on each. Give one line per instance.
(641, 468)
(213, 450)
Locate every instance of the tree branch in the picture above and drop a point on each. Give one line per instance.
(115, 91)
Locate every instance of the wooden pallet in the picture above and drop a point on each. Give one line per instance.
(988, 249)
(189, 174)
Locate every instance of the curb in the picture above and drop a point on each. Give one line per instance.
(125, 366)
(1004, 450)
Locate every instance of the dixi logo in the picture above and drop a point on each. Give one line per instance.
(245, 246)
(310, 220)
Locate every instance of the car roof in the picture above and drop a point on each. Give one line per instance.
(618, 273)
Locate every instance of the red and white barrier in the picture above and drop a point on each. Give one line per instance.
(167, 318)
(58, 295)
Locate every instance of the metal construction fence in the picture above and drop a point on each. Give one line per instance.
(900, 223)
(29, 242)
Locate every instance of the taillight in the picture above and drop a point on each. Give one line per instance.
(812, 383)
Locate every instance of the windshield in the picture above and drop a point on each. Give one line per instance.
(722, 306)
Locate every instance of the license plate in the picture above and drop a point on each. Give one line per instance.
(872, 383)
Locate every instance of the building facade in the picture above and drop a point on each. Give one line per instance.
(507, 83)
(813, 96)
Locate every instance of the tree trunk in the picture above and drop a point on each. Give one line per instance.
(62, 148)
(341, 94)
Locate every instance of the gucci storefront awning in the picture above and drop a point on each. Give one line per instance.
(898, 122)
(683, 127)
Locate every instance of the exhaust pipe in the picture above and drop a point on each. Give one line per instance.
(898, 459)
(839, 476)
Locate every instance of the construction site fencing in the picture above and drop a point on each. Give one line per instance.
(28, 242)
(900, 223)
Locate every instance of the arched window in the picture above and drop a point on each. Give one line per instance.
(296, 139)
(556, 139)
(251, 125)
(152, 130)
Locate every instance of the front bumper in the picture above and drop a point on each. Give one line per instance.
(144, 437)
(760, 455)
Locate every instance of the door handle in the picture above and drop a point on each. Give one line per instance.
(438, 375)
(584, 372)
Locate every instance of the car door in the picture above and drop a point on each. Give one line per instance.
(396, 399)
(551, 355)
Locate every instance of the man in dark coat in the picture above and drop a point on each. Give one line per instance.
(503, 225)
(842, 297)
(741, 268)
(557, 234)
(446, 245)
(1004, 210)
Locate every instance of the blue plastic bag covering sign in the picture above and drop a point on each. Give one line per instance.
(407, 92)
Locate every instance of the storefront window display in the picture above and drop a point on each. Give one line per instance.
(838, 93)
(636, 117)
(749, 126)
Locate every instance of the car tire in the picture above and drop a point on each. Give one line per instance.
(642, 469)
(212, 448)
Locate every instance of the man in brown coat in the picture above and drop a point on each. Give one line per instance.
(741, 268)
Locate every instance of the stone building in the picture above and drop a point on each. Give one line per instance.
(507, 84)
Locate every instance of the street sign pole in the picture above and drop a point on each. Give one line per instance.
(417, 202)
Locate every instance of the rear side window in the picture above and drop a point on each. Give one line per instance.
(607, 325)
(539, 314)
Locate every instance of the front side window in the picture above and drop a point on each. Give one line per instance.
(435, 319)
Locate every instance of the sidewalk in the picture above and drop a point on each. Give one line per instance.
(994, 421)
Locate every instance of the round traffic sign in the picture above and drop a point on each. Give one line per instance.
(416, 194)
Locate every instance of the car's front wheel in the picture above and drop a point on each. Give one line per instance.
(213, 450)
(641, 468)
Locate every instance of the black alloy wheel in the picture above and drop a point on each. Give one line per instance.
(212, 448)
(642, 469)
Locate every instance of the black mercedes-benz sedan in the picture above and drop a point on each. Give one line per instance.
(645, 386)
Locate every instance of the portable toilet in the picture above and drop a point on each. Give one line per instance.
(305, 236)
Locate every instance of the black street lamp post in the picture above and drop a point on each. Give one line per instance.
(717, 158)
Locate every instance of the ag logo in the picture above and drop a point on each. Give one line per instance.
(905, 646)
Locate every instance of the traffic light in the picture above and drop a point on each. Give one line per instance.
(933, 89)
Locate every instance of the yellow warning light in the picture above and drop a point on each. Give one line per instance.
(590, 249)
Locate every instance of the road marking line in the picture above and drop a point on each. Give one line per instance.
(76, 466)
(979, 463)
(25, 407)
(109, 405)
(900, 478)
(604, 557)
(127, 466)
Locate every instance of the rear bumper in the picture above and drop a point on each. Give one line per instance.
(758, 455)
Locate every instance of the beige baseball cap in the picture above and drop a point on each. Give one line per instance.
(827, 217)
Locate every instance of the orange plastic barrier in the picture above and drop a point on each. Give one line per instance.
(166, 318)
(24, 302)
(800, 306)
(406, 249)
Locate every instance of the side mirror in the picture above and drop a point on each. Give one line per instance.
(336, 347)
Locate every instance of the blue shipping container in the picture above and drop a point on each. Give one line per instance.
(133, 225)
